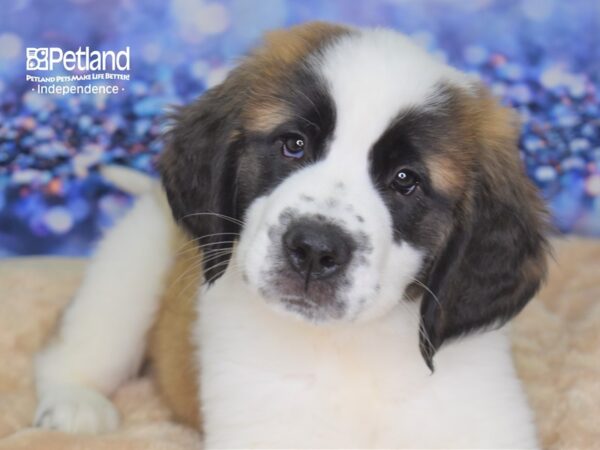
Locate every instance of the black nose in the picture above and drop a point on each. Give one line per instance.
(316, 250)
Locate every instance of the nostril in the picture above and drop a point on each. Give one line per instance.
(327, 262)
(299, 253)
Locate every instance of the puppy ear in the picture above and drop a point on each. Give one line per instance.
(495, 257)
(198, 172)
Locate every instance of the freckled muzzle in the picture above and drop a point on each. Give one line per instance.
(312, 264)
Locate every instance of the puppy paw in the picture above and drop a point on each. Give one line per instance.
(75, 409)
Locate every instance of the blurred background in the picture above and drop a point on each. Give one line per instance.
(541, 57)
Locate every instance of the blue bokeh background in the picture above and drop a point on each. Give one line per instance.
(540, 56)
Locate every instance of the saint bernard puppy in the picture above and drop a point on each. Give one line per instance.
(346, 227)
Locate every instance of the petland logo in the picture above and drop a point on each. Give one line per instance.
(87, 71)
(83, 60)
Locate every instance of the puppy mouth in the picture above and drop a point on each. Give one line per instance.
(317, 301)
(312, 310)
(300, 303)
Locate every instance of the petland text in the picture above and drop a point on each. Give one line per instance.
(83, 59)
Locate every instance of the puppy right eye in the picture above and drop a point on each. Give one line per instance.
(292, 146)
(405, 182)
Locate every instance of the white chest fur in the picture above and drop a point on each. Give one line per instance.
(268, 381)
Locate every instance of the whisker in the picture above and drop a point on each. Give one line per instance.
(186, 288)
(210, 251)
(219, 215)
(195, 282)
(311, 102)
(232, 266)
(203, 246)
(195, 266)
(424, 286)
(191, 241)
(416, 319)
(216, 255)
(414, 316)
(202, 259)
(217, 264)
(210, 244)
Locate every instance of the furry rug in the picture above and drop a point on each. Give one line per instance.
(556, 343)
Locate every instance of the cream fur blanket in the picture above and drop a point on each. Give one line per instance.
(556, 346)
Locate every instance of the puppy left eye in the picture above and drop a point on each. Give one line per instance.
(405, 182)
(293, 146)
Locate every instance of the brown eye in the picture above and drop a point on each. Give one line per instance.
(405, 182)
(293, 146)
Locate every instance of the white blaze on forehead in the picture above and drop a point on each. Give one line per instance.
(373, 75)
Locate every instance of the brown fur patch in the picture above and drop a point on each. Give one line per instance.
(490, 130)
(265, 115)
(171, 347)
(451, 167)
(446, 174)
(287, 46)
(498, 129)
(485, 135)
(266, 70)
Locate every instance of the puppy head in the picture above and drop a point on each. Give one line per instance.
(360, 173)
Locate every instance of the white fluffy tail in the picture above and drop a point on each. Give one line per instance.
(129, 180)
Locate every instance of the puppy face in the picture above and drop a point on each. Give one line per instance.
(360, 173)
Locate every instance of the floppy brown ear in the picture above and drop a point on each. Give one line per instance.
(198, 171)
(495, 257)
